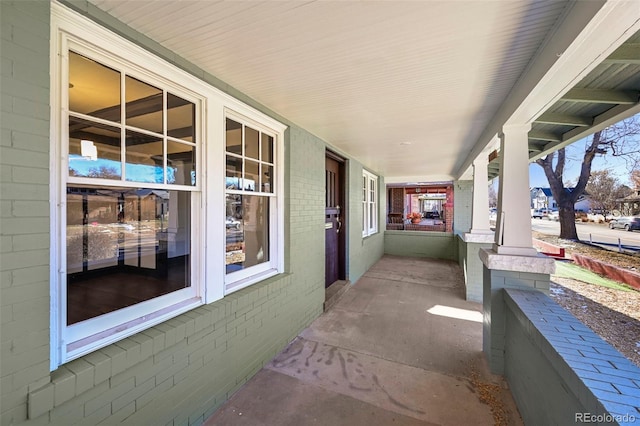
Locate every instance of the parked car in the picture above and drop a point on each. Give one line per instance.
(628, 223)
(232, 223)
(596, 217)
(554, 215)
(540, 213)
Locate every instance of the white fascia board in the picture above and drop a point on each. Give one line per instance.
(608, 30)
(568, 55)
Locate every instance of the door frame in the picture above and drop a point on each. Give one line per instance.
(342, 239)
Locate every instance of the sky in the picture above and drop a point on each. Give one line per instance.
(135, 172)
(575, 153)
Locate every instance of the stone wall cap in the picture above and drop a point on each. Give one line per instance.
(540, 264)
(480, 238)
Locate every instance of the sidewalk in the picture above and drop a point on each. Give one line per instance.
(401, 347)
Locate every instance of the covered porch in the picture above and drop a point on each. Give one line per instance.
(401, 347)
(398, 95)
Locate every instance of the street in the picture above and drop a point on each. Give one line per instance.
(598, 234)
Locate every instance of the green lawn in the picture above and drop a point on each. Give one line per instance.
(569, 270)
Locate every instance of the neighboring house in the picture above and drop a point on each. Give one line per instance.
(543, 198)
(583, 204)
(630, 205)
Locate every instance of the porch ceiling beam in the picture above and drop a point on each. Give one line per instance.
(600, 122)
(602, 96)
(564, 119)
(538, 135)
(628, 53)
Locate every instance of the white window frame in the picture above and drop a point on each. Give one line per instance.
(238, 280)
(370, 196)
(70, 29)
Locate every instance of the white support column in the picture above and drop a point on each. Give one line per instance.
(513, 226)
(480, 203)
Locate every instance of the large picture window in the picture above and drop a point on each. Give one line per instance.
(129, 193)
(131, 203)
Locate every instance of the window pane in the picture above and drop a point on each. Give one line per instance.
(234, 173)
(364, 217)
(234, 137)
(94, 150)
(144, 105)
(251, 143)
(364, 188)
(124, 246)
(371, 215)
(251, 175)
(267, 148)
(180, 118)
(247, 228)
(94, 89)
(267, 178)
(145, 161)
(181, 163)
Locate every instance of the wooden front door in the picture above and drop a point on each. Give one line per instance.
(334, 220)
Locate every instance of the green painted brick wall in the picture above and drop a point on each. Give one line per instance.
(463, 196)
(182, 370)
(437, 245)
(494, 308)
(24, 212)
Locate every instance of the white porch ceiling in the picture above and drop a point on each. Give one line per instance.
(407, 87)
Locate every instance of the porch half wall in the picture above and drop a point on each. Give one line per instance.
(180, 371)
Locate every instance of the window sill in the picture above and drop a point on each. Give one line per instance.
(249, 281)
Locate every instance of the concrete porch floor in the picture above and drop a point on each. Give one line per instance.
(392, 350)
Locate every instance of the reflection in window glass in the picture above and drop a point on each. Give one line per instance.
(251, 175)
(143, 105)
(267, 148)
(180, 163)
(124, 246)
(247, 229)
(180, 118)
(250, 186)
(267, 178)
(251, 143)
(94, 89)
(94, 150)
(145, 161)
(234, 173)
(234, 137)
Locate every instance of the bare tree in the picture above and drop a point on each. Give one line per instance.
(635, 178)
(493, 196)
(104, 172)
(620, 139)
(604, 189)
